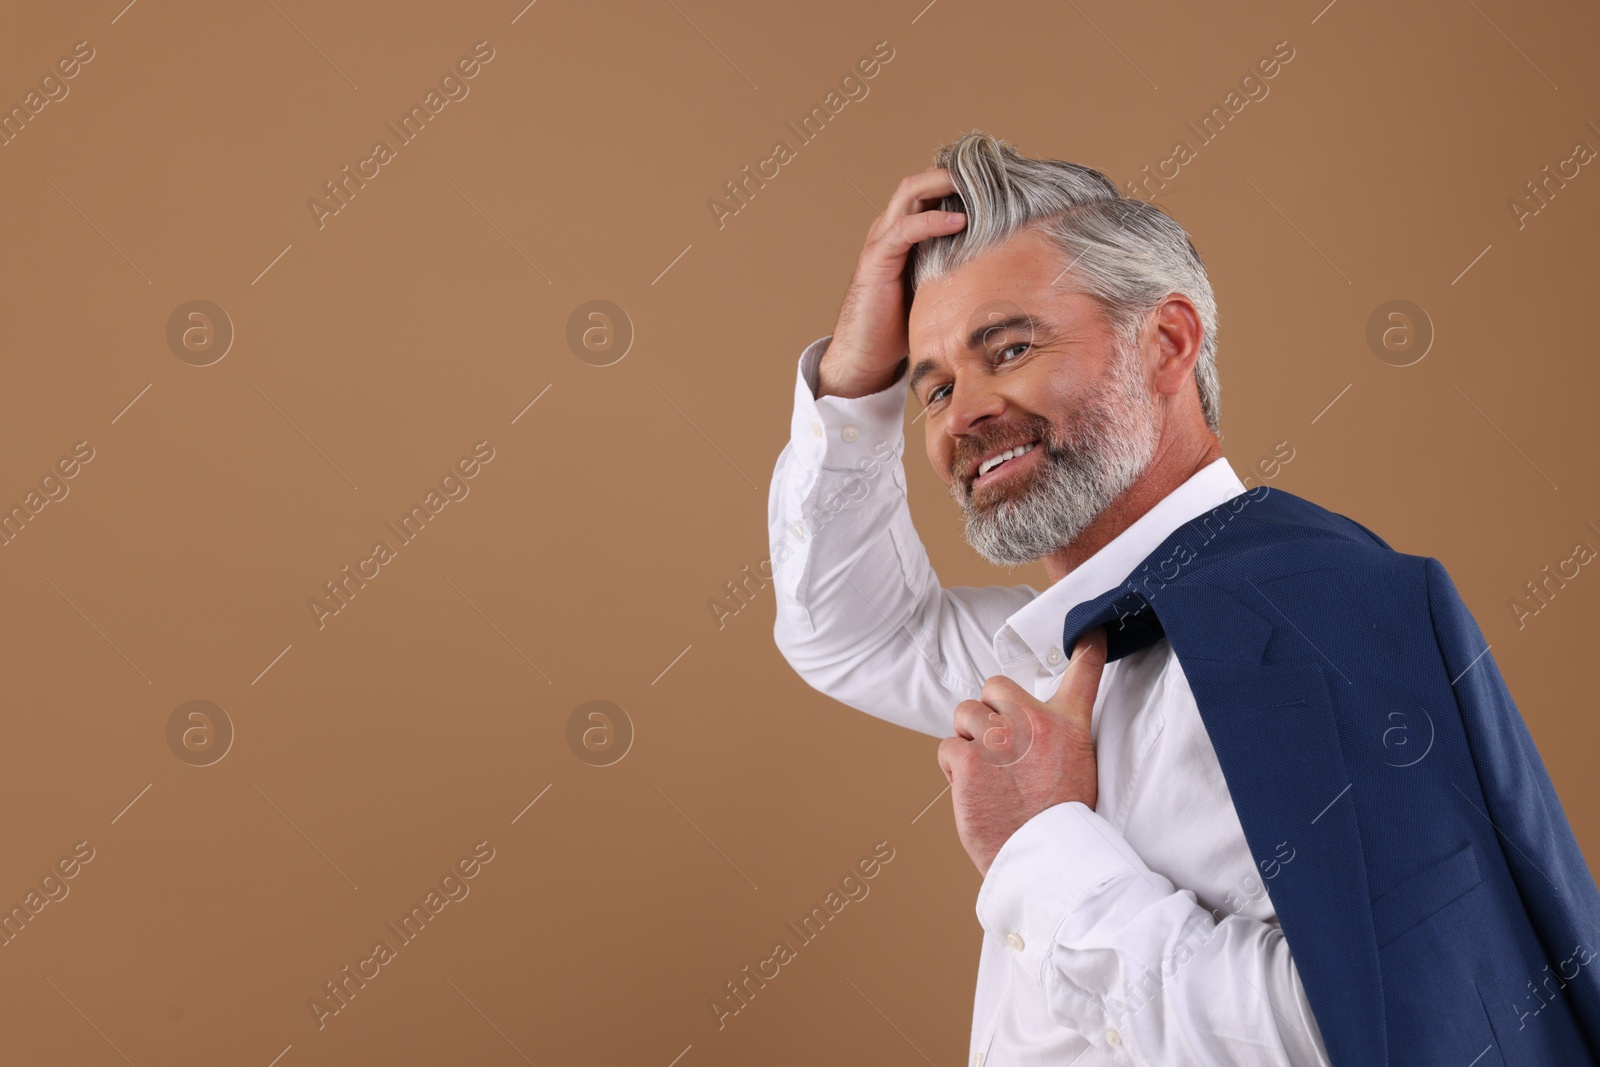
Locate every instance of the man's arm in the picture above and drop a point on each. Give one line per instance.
(1136, 965)
(1119, 953)
(861, 615)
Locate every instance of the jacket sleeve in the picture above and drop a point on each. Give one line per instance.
(1540, 849)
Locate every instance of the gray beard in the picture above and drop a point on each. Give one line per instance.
(1112, 441)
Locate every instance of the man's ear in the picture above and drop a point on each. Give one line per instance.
(1179, 334)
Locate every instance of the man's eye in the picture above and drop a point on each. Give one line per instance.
(937, 392)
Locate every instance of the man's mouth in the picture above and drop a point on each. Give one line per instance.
(1001, 462)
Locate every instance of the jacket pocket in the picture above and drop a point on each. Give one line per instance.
(1424, 894)
(1484, 1057)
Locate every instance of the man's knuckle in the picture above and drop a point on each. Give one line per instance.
(997, 686)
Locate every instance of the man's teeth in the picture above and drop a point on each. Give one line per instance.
(994, 461)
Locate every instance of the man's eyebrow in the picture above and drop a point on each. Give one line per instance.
(974, 340)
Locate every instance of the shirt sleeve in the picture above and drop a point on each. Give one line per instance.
(861, 615)
(1136, 965)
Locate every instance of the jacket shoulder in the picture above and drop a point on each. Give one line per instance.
(1275, 534)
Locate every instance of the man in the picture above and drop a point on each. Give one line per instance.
(1276, 807)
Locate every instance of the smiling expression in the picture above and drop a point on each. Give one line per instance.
(1037, 415)
(1000, 349)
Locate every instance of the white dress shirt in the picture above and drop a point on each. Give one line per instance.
(1136, 932)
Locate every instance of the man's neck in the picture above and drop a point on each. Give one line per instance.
(1168, 469)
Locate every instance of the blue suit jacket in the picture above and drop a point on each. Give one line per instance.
(1435, 901)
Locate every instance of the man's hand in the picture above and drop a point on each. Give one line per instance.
(1014, 756)
(869, 340)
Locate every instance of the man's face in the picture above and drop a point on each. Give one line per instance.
(1004, 356)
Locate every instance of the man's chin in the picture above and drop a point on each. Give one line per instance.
(993, 529)
(985, 533)
(1002, 558)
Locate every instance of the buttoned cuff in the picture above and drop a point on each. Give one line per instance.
(845, 433)
(1043, 873)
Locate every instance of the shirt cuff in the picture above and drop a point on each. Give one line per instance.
(1043, 873)
(845, 433)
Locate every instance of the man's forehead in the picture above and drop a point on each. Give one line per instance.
(1021, 276)
(952, 324)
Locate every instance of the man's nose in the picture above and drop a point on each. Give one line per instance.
(972, 399)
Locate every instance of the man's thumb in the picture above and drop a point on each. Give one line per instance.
(1081, 680)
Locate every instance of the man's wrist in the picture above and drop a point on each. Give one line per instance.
(826, 381)
(832, 382)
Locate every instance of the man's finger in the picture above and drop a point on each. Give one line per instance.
(900, 232)
(949, 749)
(916, 190)
(972, 718)
(1081, 681)
(1000, 691)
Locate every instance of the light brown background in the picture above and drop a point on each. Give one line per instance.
(430, 312)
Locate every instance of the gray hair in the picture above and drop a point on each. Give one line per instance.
(1124, 252)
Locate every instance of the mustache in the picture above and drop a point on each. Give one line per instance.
(972, 451)
(1061, 447)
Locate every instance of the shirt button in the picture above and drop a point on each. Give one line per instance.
(1113, 1038)
(1054, 657)
(816, 428)
(850, 433)
(799, 531)
(977, 1059)
(1014, 940)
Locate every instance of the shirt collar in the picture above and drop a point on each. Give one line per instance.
(1034, 630)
